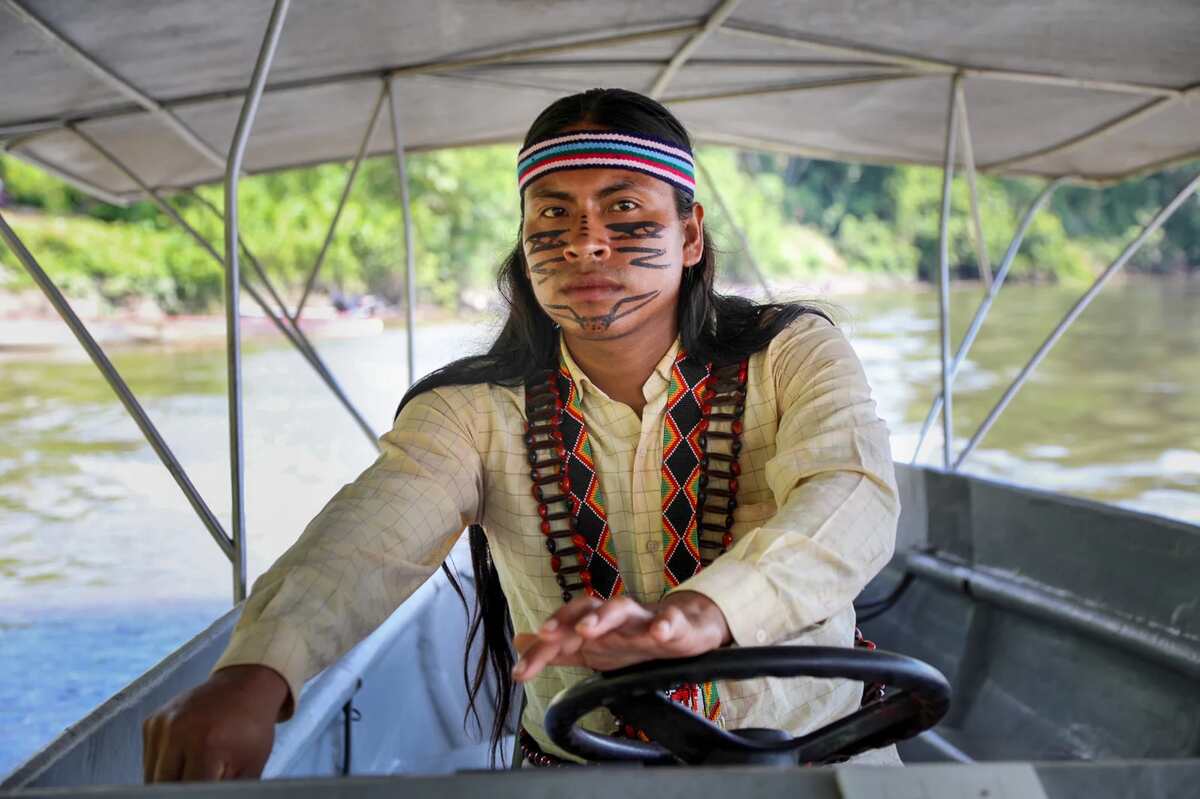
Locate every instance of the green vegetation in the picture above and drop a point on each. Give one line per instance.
(801, 217)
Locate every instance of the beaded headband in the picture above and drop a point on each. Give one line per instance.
(614, 149)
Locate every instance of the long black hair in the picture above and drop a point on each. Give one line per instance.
(712, 327)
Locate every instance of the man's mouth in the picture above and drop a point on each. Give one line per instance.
(595, 288)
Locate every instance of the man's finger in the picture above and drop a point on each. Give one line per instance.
(669, 625)
(534, 659)
(566, 617)
(203, 766)
(612, 615)
(149, 748)
(169, 765)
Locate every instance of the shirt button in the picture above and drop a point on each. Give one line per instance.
(761, 636)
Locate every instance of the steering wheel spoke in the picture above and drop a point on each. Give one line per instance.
(687, 736)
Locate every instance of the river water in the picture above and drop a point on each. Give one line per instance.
(104, 569)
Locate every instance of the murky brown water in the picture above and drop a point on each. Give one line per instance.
(87, 512)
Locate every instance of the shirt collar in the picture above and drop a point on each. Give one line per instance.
(658, 381)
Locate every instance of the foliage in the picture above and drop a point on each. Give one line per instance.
(800, 216)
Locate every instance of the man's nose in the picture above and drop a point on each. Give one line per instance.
(588, 241)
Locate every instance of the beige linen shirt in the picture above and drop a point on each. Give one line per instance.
(816, 519)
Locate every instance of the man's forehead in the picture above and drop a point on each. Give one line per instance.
(573, 183)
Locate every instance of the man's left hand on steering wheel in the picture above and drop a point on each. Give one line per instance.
(622, 632)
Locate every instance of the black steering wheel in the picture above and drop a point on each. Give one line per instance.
(920, 699)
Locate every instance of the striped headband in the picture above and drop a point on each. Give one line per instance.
(612, 149)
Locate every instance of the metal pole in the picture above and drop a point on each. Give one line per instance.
(1159, 219)
(986, 304)
(714, 21)
(114, 80)
(337, 214)
(944, 277)
(237, 151)
(741, 234)
(985, 266)
(410, 252)
(281, 320)
(118, 385)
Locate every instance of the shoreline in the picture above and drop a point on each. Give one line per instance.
(29, 326)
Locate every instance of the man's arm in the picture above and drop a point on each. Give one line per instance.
(367, 551)
(834, 485)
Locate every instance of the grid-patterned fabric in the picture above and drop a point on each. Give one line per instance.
(816, 519)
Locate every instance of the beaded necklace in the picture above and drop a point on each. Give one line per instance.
(699, 480)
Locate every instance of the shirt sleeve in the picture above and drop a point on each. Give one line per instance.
(376, 541)
(834, 486)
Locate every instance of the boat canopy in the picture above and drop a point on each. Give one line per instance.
(1090, 89)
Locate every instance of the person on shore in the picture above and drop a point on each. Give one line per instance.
(706, 472)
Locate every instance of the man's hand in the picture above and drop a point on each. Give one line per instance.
(222, 729)
(621, 632)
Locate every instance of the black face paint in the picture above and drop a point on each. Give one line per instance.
(645, 229)
(601, 323)
(644, 260)
(545, 240)
(543, 269)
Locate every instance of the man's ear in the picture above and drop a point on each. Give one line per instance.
(693, 236)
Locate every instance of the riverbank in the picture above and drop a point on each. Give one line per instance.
(30, 325)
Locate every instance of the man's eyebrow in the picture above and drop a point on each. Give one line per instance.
(546, 193)
(620, 185)
(552, 194)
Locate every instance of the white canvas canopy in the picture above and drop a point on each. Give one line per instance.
(1095, 89)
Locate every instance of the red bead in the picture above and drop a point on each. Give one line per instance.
(555, 563)
(735, 467)
(702, 425)
(545, 526)
(565, 485)
(737, 426)
(579, 541)
(581, 557)
(733, 486)
(585, 577)
(537, 492)
(558, 406)
(543, 511)
(557, 436)
(742, 374)
(727, 540)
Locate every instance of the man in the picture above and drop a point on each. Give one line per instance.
(649, 469)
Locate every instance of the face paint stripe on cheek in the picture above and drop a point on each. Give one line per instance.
(644, 260)
(543, 269)
(545, 240)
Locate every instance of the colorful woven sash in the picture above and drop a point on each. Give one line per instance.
(698, 486)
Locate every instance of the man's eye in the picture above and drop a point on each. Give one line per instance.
(624, 205)
(552, 212)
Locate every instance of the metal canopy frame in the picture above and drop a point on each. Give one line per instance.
(892, 67)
